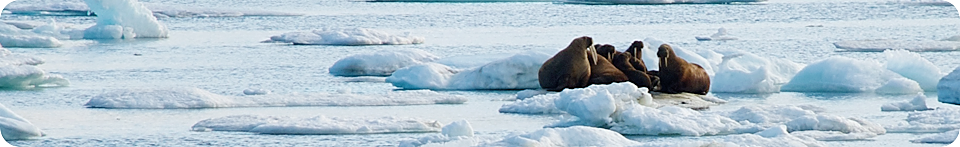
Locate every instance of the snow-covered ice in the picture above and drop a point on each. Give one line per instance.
(914, 67)
(346, 36)
(11, 36)
(117, 19)
(648, 2)
(14, 127)
(721, 35)
(318, 125)
(538, 104)
(882, 45)
(380, 63)
(934, 121)
(843, 74)
(745, 72)
(571, 136)
(159, 10)
(948, 89)
(918, 103)
(515, 72)
(944, 138)
(20, 71)
(191, 98)
(24, 24)
(524, 94)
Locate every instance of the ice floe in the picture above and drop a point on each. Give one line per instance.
(944, 138)
(914, 67)
(918, 103)
(19, 71)
(11, 36)
(882, 45)
(118, 19)
(191, 98)
(14, 127)
(659, 2)
(256, 92)
(934, 121)
(380, 63)
(159, 10)
(345, 36)
(948, 89)
(745, 72)
(721, 35)
(515, 72)
(843, 74)
(318, 125)
(24, 24)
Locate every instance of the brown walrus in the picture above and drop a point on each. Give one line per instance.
(569, 68)
(635, 50)
(637, 77)
(606, 50)
(677, 75)
(603, 72)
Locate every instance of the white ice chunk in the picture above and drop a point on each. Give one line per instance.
(256, 92)
(159, 10)
(190, 98)
(745, 72)
(118, 19)
(524, 94)
(948, 137)
(380, 63)
(11, 36)
(899, 86)
(913, 67)
(24, 24)
(648, 2)
(721, 35)
(935, 121)
(882, 45)
(918, 103)
(515, 72)
(458, 128)
(19, 71)
(841, 74)
(948, 89)
(539, 104)
(319, 125)
(354, 36)
(572, 136)
(14, 127)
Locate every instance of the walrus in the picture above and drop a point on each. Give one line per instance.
(637, 77)
(635, 49)
(677, 75)
(603, 72)
(606, 50)
(569, 68)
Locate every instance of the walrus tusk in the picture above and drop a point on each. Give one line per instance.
(663, 61)
(593, 51)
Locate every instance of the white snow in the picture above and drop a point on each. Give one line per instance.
(318, 125)
(944, 138)
(934, 121)
(191, 98)
(899, 86)
(256, 92)
(745, 72)
(948, 89)
(524, 94)
(457, 129)
(11, 36)
(24, 24)
(842, 74)
(19, 71)
(117, 19)
(647, 2)
(882, 45)
(538, 104)
(650, 56)
(516, 72)
(380, 63)
(572, 136)
(721, 35)
(918, 103)
(159, 10)
(14, 127)
(914, 67)
(346, 36)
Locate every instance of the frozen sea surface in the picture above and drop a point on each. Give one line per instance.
(223, 55)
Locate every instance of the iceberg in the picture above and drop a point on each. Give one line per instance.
(118, 19)
(318, 125)
(745, 72)
(354, 36)
(14, 127)
(194, 98)
(948, 137)
(934, 121)
(515, 72)
(380, 63)
(19, 71)
(721, 35)
(655, 2)
(842, 74)
(159, 10)
(910, 65)
(882, 45)
(948, 89)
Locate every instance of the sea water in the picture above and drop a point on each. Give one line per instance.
(223, 55)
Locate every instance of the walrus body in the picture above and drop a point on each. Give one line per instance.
(569, 68)
(677, 75)
(605, 72)
(637, 77)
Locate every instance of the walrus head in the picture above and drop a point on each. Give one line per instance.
(586, 43)
(635, 48)
(665, 52)
(606, 50)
